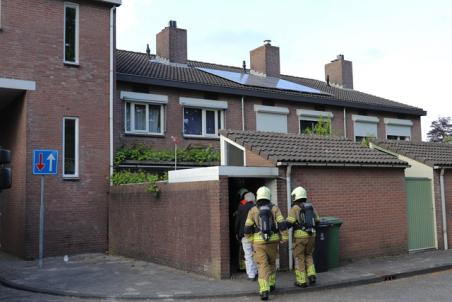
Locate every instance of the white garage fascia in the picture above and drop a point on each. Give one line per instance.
(17, 84)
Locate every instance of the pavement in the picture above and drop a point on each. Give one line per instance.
(104, 276)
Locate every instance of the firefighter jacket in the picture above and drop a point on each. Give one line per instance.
(240, 218)
(293, 221)
(252, 227)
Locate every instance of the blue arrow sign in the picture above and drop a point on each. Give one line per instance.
(45, 162)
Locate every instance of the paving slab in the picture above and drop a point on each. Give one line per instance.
(106, 276)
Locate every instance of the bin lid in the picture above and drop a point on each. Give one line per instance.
(331, 220)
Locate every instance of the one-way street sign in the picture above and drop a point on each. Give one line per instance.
(45, 162)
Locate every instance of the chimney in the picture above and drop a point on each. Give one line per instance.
(340, 72)
(265, 59)
(171, 43)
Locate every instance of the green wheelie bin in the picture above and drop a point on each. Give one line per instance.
(333, 240)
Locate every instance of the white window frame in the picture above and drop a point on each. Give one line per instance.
(77, 40)
(132, 118)
(204, 127)
(76, 153)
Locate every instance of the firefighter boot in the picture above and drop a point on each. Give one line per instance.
(300, 279)
(311, 274)
(265, 295)
(312, 280)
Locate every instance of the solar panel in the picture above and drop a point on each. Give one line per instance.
(261, 81)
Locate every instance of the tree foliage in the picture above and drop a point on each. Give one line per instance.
(322, 127)
(441, 130)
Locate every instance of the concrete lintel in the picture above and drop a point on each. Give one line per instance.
(17, 84)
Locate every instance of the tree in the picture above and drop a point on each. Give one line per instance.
(441, 130)
(322, 127)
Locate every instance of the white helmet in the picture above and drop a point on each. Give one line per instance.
(298, 193)
(263, 193)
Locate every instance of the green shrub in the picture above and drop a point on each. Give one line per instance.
(142, 153)
(128, 177)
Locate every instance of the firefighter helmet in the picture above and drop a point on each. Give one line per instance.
(263, 193)
(241, 192)
(299, 193)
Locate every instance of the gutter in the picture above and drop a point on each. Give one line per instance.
(289, 204)
(112, 72)
(443, 209)
(304, 164)
(263, 94)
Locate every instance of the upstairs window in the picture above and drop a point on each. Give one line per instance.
(309, 120)
(365, 127)
(202, 122)
(202, 117)
(271, 118)
(144, 113)
(71, 32)
(0, 15)
(398, 129)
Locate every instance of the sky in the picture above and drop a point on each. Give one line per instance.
(401, 50)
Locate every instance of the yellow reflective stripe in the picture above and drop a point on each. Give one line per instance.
(279, 218)
(291, 219)
(272, 280)
(311, 270)
(302, 234)
(300, 276)
(249, 222)
(257, 238)
(285, 237)
(263, 285)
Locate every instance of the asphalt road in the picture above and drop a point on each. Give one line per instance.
(432, 287)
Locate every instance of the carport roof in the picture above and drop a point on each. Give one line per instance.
(431, 154)
(311, 150)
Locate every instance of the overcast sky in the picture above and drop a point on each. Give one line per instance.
(401, 50)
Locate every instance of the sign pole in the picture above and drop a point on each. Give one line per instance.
(41, 224)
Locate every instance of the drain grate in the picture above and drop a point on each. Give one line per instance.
(389, 278)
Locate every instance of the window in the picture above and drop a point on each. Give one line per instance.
(365, 127)
(144, 118)
(70, 147)
(270, 118)
(203, 122)
(309, 119)
(0, 15)
(71, 39)
(398, 129)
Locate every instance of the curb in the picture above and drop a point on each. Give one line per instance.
(278, 291)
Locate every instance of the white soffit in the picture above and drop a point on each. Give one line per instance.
(203, 103)
(271, 109)
(400, 122)
(365, 118)
(17, 84)
(314, 113)
(143, 97)
(214, 173)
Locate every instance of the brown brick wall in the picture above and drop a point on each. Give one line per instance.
(254, 160)
(371, 202)
(32, 49)
(184, 228)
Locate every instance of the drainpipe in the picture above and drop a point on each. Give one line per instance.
(289, 204)
(443, 209)
(243, 113)
(345, 123)
(112, 12)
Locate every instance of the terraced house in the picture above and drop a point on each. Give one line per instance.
(56, 85)
(164, 94)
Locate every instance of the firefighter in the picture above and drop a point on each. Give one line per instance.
(303, 218)
(247, 200)
(265, 227)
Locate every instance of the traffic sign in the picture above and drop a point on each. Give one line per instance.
(45, 162)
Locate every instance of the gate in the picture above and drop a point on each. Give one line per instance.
(420, 214)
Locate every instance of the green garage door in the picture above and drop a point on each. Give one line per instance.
(420, 214)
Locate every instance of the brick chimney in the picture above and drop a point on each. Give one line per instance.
(340, 72)
(172, 43)
(265, 59)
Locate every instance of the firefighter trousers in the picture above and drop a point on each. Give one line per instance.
(304, 263)
(265, 257)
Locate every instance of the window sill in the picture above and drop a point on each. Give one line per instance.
(71, 178)
(71, 64)
(144, 134)
(201, 137)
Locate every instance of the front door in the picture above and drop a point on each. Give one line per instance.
(420, 214)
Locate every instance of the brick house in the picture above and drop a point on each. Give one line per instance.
(429, 191)
(56, 82)
(343, 178)
(164, 95)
